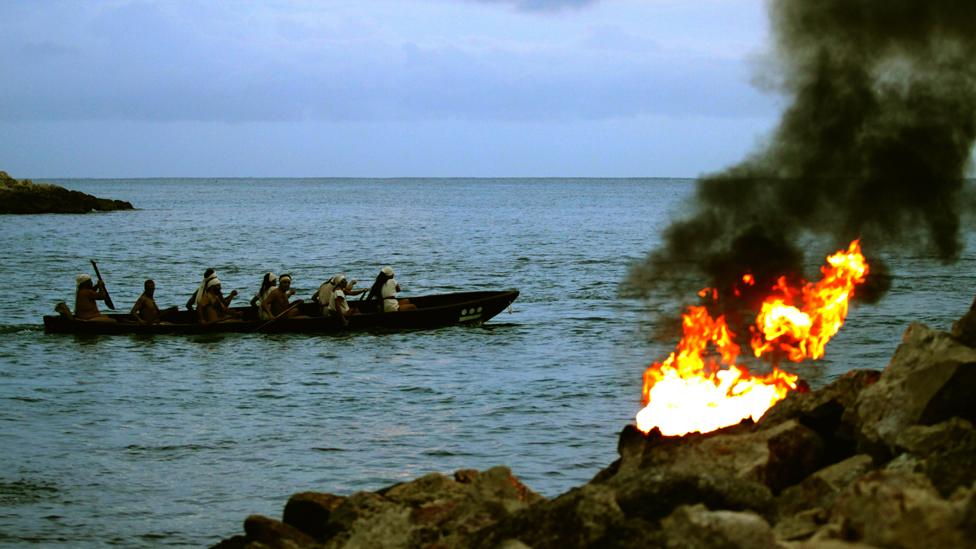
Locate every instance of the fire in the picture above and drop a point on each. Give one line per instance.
(802, 332)
(700, 386)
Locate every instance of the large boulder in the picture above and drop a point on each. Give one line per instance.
(777, 457)
(929, 380)
(900, 509)
(27, 197)
(697, 527)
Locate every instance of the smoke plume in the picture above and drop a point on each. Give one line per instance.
(875, 144)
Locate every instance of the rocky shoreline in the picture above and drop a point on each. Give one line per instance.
(27, 197)
(884, 459)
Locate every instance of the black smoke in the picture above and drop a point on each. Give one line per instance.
(875, 144)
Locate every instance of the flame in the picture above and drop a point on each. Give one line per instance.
(692, 391)
(802, 332)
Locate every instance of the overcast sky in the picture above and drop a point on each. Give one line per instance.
(380, 88)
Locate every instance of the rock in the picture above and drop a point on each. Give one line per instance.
(821, 488)
(945, 453)
(929, 379)
(964, 329)
(274, 533)
(310, 512)
(801, 526)
(823, 411)
(26, 197)
(895, 509)
(778, 456)
(696, 527)
(433, 510)
(653, 494)
(578, 518)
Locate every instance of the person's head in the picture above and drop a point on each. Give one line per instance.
(388, 271)
(268, 281)
(340, 282)
(149, 286)
(213, 285)
(83, 281)
(284, 282)
(209, 273)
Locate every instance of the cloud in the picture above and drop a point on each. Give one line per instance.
(543, 5)
(165, 62)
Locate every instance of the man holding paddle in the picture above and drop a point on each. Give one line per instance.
(86, 295)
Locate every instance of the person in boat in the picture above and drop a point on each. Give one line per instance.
(323, 296)
(212, 306)
(277, 300)
(198, 294)
(386, 288)
(338, 304)
(145, 309)
(86, 295)
(268, 283)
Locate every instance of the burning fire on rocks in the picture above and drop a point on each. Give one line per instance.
(701, 387)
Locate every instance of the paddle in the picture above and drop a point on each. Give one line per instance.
(281, 314)
(108, 298)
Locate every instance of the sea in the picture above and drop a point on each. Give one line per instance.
(148, 441)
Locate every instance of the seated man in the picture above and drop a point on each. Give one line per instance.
(145, 310)
(277, 301)
(212, 307)
(86, 295)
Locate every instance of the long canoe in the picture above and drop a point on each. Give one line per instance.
(432, 311)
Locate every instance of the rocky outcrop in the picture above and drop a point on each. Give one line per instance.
(875, 459)
(26, 197)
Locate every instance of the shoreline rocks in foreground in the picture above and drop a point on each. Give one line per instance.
(27, 197)
(875, 459)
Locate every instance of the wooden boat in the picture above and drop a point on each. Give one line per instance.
(432, 311)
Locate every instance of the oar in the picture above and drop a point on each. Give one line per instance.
(108, 298)
(281, 314)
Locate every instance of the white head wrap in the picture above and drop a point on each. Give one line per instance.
(388, 271)
(272, 277)
(213, 281)
(203, 286)
(81, 279)
(339, 280)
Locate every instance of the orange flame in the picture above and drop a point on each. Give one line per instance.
(802, 332)
(691, 391)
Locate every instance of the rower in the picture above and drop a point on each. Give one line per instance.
(198, 294)
(86, 294)
(386, 287)
(268, 283)
(338, 305)
(213, 307)
(145, 309)
(277, 300)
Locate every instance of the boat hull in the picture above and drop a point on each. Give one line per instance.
(432, 311)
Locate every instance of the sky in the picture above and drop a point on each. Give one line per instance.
(381, 88)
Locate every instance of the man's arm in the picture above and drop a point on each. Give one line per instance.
(191, 301)
(137, 308)
(230, 297)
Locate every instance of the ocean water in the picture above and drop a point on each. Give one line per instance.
(170, 440)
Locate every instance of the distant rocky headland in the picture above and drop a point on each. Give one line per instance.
(875, 459)
(27, 197)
